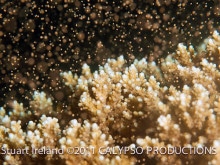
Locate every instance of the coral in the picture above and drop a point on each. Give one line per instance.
(172, 103)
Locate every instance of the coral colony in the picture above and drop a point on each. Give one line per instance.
(167, 112)
(59, 106)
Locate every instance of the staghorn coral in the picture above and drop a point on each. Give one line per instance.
(174, 103)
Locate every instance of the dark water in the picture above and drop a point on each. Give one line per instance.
(40, 39)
